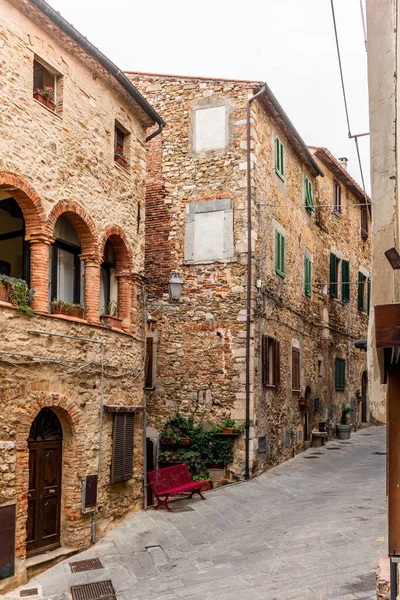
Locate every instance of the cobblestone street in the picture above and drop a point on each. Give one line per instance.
(312, 528)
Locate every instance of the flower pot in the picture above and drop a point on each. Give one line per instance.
(121, 161)
(76, 313)
(3, 293)
(184, 441)
(228, 431)
(45, 101)
(207, 485)
(216, 466)
(343, 431)
(112, 321)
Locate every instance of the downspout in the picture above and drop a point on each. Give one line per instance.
(249, 277)
(156, 132)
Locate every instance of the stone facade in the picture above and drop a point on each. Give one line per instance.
(201, 350)
(60, 163)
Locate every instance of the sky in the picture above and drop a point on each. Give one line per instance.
(289, 44)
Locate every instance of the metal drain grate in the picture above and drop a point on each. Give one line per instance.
(102, 590)
(27, 593)
(85, 565)
(333, 448)
(379, 453)
(310, 456)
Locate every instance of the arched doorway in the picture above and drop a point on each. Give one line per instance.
(364, 393)
(44, 493)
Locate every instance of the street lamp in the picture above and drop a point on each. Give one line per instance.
(175, 285)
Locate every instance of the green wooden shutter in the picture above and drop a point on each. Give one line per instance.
(345, 281)
(309, 201)
(283, 255)
(369, 294)
(332, 276)
(280, 258)
(279, 158)
(340, 374)
(361, 280)
(307, 276)
(277, 251)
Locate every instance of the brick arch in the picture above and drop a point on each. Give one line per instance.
(82, 222)
(28, 201)
(123, 253)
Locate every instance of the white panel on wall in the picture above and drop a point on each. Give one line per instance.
(209, 236)
(210, 128)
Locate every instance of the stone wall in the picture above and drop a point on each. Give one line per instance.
(55, 164)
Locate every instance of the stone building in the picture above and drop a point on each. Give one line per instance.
(293, 363)
(72, 195)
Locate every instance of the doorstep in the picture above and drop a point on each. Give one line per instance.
(41, 562)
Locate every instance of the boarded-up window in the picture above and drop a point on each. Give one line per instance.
(149, 371)
(340, 374)
(295, 369)
(270, 361)
(122, 454)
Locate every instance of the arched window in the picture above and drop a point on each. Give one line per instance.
(14, 251)
(66, 267)
(108, 283)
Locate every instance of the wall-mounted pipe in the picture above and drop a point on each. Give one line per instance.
(249, 277)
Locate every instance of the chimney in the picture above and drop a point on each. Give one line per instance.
(343, 162)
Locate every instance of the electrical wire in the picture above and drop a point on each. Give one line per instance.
(344, 92)
(364, 25)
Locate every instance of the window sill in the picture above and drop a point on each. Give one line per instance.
(270, 385)
(52, 112)
(281, 177)
(124, 170)
(337, 214)
(209, 262)
(281, 275)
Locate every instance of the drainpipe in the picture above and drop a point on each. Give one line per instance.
(249, 277)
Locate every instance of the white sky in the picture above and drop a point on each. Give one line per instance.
(287, 43)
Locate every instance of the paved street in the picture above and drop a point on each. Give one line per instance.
(312, 528)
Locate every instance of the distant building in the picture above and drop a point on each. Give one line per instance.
(310, 262)
(72, 195)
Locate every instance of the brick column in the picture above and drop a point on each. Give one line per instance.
(125, 299)
(39, 269)
(92, 289)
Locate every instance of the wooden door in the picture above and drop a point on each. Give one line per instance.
(44, 493)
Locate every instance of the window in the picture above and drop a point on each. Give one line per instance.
(209, 231)
(210, 128)
(308, 195)
(279, 158)
(121, 145)
(295, 370)
(337, 199)
(345, 281)
(307, 276)
(280, 258)
(122, 451)
(67, 270)
(364, 222)
(44, 85)
(364, 292)
(262, 443)
(14, 250)
(108, 283)
(340, 374)
(270, 361)
(149, 369)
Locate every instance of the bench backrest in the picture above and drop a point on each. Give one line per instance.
(169, 478)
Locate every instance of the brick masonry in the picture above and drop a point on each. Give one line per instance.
(201, 343)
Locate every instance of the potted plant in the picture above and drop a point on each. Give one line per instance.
(168, 437)
(59, 307)
(17, 292)
(110, 318)
(184, 441)
(120, 157)
(208, 484)
(45, 96)
(229, 427)
(344, 428)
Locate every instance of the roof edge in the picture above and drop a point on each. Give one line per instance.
(331, 163)
(70, 30)
(278, 107)
(191, 77)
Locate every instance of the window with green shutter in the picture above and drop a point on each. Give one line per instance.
(345, 281)
(307, 276)
(280, 253)
(362, 282)
(333, 275)
(340, 374)
(279, 158)
(308, 195)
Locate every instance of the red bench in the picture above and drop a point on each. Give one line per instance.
(173, 481)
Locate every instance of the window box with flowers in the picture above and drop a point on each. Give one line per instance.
(76, 311)
(120, 157)
(45, 96)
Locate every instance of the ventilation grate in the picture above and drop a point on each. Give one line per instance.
(27, 593)
(85, 565)
(101, 590)
(379, 453)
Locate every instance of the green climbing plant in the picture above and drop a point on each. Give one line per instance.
(18, 293)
